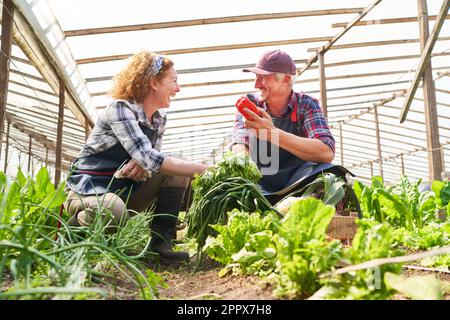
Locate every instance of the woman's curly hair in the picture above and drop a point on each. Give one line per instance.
(132, 83)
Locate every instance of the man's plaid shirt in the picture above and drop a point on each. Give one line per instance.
(119, 123)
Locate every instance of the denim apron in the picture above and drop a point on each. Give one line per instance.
(93, 175)
(292, 172)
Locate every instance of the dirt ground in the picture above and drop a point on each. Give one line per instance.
(183, 283)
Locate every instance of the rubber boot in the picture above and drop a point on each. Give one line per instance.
(163, 225)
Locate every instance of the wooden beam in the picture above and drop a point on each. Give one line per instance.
(371, 168)
(59, 132)
(244, 92)
(429, 93)
(209, 49)
(5, 54)
(426, 50)
(383, 21)
(339, 77)
(323, 85)
(325, 48)
(377, 135)
(7, 147)
(402, 164)
(201, 22)
(27, 75)
(194, 70)
(374, 43)
(33, 88)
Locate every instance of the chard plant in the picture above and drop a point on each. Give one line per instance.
(402, 205)
(303, 251)
(441, 191)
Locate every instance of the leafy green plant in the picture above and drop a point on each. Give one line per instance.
(231, 165)
(245, 243)
(331, 189)
(29, 250)
(230, 185)
(373, 240)
(417, 288)
(302, 249)
(441, 190)
(432, 235)
(402, 205)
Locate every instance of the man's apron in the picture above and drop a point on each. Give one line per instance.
(93, 175)
(293, 173)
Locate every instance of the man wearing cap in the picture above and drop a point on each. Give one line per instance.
(289, 140)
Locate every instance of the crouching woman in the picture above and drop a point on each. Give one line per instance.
(121, 166)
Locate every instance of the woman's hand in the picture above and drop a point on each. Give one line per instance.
(133, 171)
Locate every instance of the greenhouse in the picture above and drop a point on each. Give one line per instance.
(122, 128)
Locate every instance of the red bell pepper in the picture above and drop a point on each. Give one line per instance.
(244, 102)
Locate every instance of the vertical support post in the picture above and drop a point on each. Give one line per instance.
(5, 54)
(342, 144)
(7, 147)
(377, 134)
(58, 155)
(46, 157)
(323, 85)
(29, 156)
(429, 94)
(402, 164)
(371, 168)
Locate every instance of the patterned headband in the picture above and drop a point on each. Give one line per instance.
(157, 64)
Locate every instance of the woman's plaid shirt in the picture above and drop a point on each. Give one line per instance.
(119, 123)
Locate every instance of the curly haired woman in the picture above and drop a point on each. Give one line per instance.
(121, 166)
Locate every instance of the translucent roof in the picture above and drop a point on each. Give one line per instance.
(211, 41)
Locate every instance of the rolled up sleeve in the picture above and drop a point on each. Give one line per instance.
(315, 124)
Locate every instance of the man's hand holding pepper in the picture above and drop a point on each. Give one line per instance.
(262, 124)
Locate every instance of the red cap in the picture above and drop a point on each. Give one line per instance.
(274, 61)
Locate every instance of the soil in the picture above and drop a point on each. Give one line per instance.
(184, 283)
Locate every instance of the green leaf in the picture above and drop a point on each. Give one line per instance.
(437, 186)
(311, 216)
(42, 180)
(3, 180)
(54, 199)
(445, 194)
(21, 179)
(377, 182)
(416, 288)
